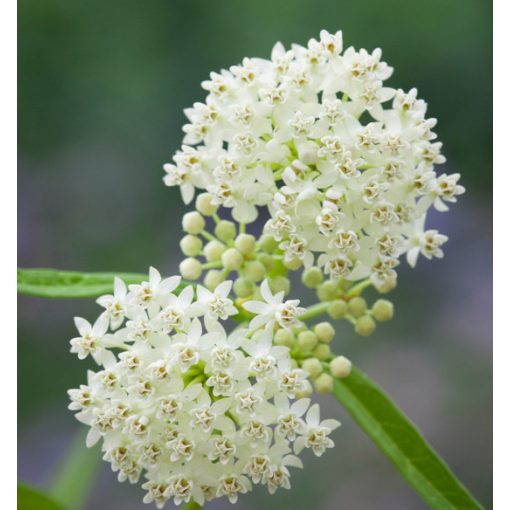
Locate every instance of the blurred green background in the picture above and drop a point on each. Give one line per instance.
(102, 86)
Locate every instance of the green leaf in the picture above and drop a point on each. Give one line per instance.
(402, 443)
(32, 499)
(51, 283)
(76, 474)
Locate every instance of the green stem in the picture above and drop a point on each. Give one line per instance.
(359, 288)
(314, 311)
(76, 474)
(207, 235)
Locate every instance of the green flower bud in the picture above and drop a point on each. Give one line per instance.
(279, 283)
(193, 222)
(243, 287)
(325, 332)
(267, 260)
(213, 250)
(387, 286)
(213, 278)
(343, 284)
(312, 277)
(340, 367)
(245, 243)
(284, 336)
(190, 269)
(225, 230)
(324, 384)
(337, 309)
(357, 306)
(365, 325)
(267, 243)
(313, 366)
(307, 341)
(327, 291)
(191, 245)
(382, 310)
(204, 204)
(255, 271)
(322, 351)
(232, 259)
(293, 264)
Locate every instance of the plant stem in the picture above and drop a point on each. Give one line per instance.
(76, 474)
(358, 288)
(314, 311)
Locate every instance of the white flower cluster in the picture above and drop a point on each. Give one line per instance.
(201, 414)
(305, 134)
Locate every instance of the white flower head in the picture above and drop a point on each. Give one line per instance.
(314, 135)
(176, 400)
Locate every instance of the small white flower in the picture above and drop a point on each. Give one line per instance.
(275, 309)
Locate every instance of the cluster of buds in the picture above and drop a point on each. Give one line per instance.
(344, 165)
(198, 412)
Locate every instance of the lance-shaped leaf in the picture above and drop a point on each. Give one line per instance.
(402, 443)
(33, 499)
(51, 283)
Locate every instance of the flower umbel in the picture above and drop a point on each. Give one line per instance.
(197, 412)
(344, 165)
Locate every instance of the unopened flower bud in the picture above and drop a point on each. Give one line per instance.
(322, 351)
(243, 287)
(307, 153)
(357, 307)
(365, 325)
(268, 243)
(312, 277)
(327, 291)
(191, 245)
(279, 283)
(255, 271)
(337, 309)
(293, 264)
(387, 286)
(285, 337)
(307, 341)
(232, 259)
(324, 384)
(213, 250)
(190, 269)
(313, 366)
(225, 230)
(340, 367)
(204, 204)
(382, 310)
(193, 222)
(245, 243)
(213, 278)
(325, 332)
(267, 260)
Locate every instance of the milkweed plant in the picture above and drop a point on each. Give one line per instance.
(304, 163)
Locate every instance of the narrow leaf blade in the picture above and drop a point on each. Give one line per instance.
(402, 443)
(33, 499)
(51, 283)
